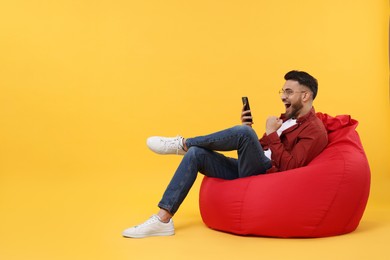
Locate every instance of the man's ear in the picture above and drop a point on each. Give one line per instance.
(307, 96)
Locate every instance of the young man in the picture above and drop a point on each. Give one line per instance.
(290, 141)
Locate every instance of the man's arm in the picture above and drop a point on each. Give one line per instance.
(309, 143)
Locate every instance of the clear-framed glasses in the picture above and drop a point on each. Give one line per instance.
(289, 92)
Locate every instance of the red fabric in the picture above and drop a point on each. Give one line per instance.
(297, 145)
(325, 198)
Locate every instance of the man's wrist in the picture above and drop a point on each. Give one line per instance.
(268, 132)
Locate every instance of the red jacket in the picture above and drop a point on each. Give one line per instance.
(297, 145)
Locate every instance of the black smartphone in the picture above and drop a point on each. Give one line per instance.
(245, 102)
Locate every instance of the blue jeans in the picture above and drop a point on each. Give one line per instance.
(201, 157)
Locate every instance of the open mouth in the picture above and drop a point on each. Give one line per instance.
(287, 105)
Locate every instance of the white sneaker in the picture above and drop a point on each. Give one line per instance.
(151, 227)
(166, 145)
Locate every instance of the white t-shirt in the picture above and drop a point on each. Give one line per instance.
(287, 124)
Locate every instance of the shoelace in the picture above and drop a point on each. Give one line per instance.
(151, 220)
(174, 144)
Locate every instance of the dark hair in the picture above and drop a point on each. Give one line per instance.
(303, 78)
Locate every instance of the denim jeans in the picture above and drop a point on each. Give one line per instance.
(202, 157)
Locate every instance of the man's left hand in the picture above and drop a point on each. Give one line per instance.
(272, 124)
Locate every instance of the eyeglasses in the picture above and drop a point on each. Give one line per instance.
(289, 92)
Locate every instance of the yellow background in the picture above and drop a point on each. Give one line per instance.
(84, 83)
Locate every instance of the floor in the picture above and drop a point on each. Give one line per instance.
(83, 217)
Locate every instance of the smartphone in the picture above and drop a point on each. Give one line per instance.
(245, 102)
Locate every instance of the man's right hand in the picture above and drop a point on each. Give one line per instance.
(246, 117)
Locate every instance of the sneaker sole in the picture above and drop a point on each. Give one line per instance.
(149, 235)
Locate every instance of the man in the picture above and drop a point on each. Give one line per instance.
(290, 141)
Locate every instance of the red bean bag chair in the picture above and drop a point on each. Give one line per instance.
(325, 198)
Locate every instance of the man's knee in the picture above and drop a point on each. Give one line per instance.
(195, 151)
(244, 130)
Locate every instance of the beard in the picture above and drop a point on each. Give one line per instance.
(294, 110)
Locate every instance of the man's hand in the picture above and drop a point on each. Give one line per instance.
(273, 123)
(246, 117)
